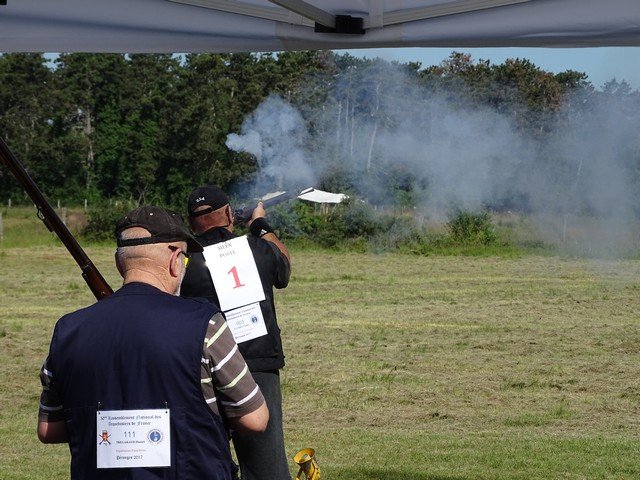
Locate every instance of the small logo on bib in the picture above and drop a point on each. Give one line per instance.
(155, 436)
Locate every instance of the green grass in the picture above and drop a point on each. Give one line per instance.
(399, 366)
(21, 228)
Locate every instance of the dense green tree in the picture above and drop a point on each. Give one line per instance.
(87, 86)
(25, 120)
(150, 97)
(199, 124)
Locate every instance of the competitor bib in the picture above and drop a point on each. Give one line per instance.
(246, 323)
(133, 438)
(234, 273)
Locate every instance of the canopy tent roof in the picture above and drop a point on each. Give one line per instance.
(138, 26)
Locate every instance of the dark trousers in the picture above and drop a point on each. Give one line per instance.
(262, 456)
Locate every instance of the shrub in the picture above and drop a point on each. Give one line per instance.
(355, 225)
(360, 220)
(398, 232)
(102, 220)
(284, 220)
(471, 228)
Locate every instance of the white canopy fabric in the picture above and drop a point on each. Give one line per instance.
(139, 26)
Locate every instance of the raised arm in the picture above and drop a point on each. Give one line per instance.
(256, 224)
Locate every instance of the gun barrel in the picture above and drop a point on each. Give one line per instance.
(243, 215)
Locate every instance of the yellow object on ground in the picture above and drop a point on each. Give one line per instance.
(308, 464)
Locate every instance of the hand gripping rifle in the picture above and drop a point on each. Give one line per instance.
(243, 215)
(96, 282)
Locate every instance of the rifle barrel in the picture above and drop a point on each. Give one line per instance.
(243, 215)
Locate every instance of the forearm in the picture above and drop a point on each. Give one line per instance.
(259, 227)
(52, 432)
(254, 422)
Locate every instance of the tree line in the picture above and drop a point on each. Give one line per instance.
(148, 128)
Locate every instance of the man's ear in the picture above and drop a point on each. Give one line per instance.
(174, 266)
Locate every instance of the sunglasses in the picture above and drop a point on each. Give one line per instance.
(187, 256)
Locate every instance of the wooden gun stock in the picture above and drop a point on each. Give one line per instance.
(96, 282)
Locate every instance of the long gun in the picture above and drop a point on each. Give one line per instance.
(52, 221)
(243, 214)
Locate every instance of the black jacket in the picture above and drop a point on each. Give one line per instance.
(263, 353)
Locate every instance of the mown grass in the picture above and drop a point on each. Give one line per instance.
(21, 228)
(399, 366)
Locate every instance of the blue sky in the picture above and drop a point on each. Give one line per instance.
(601, 64)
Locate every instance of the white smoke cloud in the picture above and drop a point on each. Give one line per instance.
(250, 142)
(275, 134)
(470, 157)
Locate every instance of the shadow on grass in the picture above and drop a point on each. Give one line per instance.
(386, 474)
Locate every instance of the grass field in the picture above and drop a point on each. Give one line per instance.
(399, 367)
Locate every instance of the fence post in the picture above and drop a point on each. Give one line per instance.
(1, 228)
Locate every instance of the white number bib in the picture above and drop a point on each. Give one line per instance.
(237, 282)
(234, 273)
(133, 438)
(246, 323)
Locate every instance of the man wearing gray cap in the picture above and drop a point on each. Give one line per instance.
(141, 383)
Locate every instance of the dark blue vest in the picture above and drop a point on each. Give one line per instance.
(139, 348)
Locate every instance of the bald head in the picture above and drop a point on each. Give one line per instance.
(155, 264)
(138, 253)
